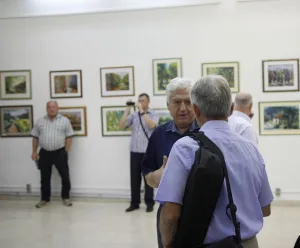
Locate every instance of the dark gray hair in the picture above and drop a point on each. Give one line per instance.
(212, 95)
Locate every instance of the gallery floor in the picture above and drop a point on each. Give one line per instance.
(104, 224)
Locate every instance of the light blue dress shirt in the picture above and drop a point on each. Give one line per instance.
(247, 174)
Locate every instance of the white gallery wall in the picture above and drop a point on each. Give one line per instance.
(247, 32)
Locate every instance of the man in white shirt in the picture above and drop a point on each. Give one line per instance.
(240, 120)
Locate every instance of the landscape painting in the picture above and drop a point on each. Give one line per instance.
(117, 81)
(15, 85)
(164, 70)
(229, 70)
(111, 116)
(77, 117)
(16, 121)
(164, 115)
(279, 118)
(66, 84)
(281, 75)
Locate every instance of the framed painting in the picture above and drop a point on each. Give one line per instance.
(77, 117)
(111, 116)
(280, 75)
(229, 70)
(164, 70)
(16, 121)
(15, 85)
(164, 115)
(279, 118)
(66, 84)
(117, 81)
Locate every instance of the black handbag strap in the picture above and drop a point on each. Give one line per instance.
(231, 206)
(143, 126)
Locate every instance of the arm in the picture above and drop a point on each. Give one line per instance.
(69, 135)
(150, 123)
(68, 144)
(266, 210)
(125, 117)
(153, 178)
(35, 144)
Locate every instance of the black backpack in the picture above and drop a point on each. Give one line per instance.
(201, 195)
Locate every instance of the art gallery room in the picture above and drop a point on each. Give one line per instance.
(91, 57)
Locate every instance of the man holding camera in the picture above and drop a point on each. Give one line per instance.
(142, 123)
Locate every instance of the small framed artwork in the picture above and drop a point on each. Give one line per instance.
(77, 117)
(66, 84)
(164, 70)
(164, 115)
(280, 75)
(117, 81)
(15, 85)
(16, 121)
(278, 118)
(229, 70)
(111, 116)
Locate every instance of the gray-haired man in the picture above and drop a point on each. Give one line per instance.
(53, 133)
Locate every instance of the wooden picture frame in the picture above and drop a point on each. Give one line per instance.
(110, 118)
(280, 75)
(65, 84)
(279, 118)
(16, 121)
(15, 85)
(117, 81)
(77, 117)
(164, 70)
(229, 70)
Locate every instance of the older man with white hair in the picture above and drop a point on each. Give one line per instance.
(165, 135)
(240, 120)
(212, 104)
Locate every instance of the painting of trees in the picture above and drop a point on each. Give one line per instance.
(166, 72)
(117, 81)
(281, 75)
(226, 72)
(113, 120)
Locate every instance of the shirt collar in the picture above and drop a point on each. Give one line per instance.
(215, 124)
(57, 116)
(172, 127)
(242, 115)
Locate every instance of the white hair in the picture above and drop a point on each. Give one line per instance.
(178, 83)
(212, 95)
(243, 99)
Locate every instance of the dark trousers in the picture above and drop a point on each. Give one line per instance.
(160, 245)
(136, 160)
(59, 158)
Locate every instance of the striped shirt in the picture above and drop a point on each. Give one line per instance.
(52, 134)
(139, 141)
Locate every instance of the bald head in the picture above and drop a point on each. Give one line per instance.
(243, 102)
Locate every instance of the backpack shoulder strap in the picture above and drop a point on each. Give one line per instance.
(205, 141)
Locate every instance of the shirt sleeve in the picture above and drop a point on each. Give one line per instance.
(266, 195)
(35, 130)
(69, 129)
(250, 134)
(130, 120)
(149, 161)
(174, 179)
(155, 118)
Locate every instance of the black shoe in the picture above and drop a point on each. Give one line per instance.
(132, 208)
(149, 209)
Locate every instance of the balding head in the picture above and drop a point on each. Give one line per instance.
(243, 102)
(52, 109)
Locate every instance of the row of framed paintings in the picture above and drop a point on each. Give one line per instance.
(278, 76)
(275, 118)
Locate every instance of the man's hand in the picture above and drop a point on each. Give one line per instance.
(140, 108)
(34, 156)
(153, 178)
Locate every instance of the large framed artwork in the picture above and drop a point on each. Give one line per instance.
(229, 70)
(77, 117)
(117, 81)
(15, 85)
(279, 118)
(111, 116)
(164, 115)
(280, 75)
(66, 84)
(16, 121)
(164, 70)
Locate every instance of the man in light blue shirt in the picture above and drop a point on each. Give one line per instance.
(211, 98)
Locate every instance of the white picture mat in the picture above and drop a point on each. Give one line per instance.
(284, 87)
(27, 95)
(66, 73)
(82, 115)
(155, 74)
(128, 70)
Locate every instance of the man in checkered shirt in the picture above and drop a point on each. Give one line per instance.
(53, 133)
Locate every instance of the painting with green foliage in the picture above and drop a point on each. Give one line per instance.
(113, 120)
(226, 72)
(117, 81)
(16, 121)
(164, 116)
(15, 84)
(164, 71)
